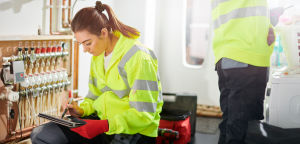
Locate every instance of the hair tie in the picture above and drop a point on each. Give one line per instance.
(99, 6)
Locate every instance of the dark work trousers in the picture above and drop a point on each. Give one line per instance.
(241, 100)
(52, 133)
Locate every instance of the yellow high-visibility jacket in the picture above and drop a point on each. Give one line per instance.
(129, 94)
(241, 30)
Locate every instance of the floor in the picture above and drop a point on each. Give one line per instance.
(202, 138)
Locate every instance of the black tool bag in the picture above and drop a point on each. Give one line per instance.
(183, 101)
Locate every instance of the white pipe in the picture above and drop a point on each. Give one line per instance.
(26, 114)
(32, 111)
(54, 92)
(49, 78)
(60, 78)
(41, 105)
(43, 81)
(18, 123)
(38, 82)
(49, 106)
(59, 99)
(38, 106)
(31, 86)
(31, 108)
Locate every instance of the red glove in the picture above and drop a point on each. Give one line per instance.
(91, 128)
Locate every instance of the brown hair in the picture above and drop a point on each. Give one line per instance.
(93, 20)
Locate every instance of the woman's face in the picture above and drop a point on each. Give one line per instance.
(92, 43)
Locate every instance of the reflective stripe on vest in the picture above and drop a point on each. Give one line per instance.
(91, 95)
(160, 97)
(93, 81)
(106, 88)
(145, 85)
(143, 106)
(240, 13)
(158, 77)
(123, 73)
(215, 3)
(152, 54)
(138, 84)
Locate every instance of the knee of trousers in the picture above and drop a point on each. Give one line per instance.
(48, 133)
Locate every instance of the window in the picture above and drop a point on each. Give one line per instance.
(197, 32)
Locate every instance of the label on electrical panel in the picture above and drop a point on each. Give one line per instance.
(18, 71)
(19, 77)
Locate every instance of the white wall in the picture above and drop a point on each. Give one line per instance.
(175, 76)
(22, 17)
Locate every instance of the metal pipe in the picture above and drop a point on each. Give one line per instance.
(15, 137)
(18, 134)
(51, 32)
(51, 17)
(25, 129)
(8, 140)
(69, 12)
(38, 56)
(63, 11)
(12, 58)
(23, 135)
(64, 23)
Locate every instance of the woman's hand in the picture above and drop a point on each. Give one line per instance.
(295, 20)
(74, 110)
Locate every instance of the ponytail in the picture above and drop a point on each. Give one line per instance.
(116, 24)
(93, 20)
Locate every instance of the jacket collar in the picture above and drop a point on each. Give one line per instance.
(121, 47)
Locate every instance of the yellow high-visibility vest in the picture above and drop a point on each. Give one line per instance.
(241, 30)
(128, 94)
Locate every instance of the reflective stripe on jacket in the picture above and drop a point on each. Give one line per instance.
(241, 30)
(129, 93)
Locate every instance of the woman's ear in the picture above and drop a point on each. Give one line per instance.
(104, 33)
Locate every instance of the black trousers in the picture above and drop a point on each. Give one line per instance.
(241, 100)
(52, 133)
(75, 138)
